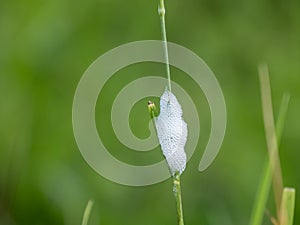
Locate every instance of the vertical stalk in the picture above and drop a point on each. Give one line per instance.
(270, 131)
(287, 206)
(87, 212)
(266, 180)
(176, 177)
(162, 13)
(177, 194)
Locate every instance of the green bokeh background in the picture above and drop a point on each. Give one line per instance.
(45, 47)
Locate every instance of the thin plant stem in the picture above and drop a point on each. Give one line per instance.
(177, 194)
(162, 13)
(266, 179)
(87, 212)
(287, 206)
(270, 131)
(281, 116)
(176, 177)
(261, 196)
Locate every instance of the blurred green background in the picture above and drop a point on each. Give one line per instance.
(45, 47)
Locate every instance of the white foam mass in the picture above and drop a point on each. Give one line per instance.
(172, 132)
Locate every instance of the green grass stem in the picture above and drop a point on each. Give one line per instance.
(177, 194)
(271, 135)
(287, 206)
(282, 116)
(266, 179)
(162, 13)
(261, 196)
(87, 212)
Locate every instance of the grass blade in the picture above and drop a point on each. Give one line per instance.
(261, 196)
(87, 212)
(266, 179)
(177, 194)
(282, 115)
(271, 135)
(287, 206)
